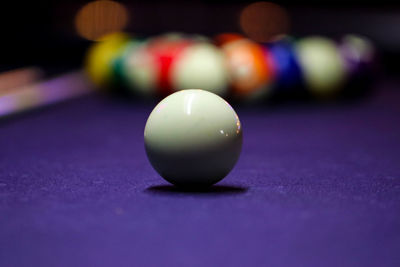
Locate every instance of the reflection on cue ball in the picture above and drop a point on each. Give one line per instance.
(193, 138)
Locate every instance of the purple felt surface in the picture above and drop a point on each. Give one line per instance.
(315, 186)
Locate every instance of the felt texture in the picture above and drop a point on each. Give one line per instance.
(315, 186)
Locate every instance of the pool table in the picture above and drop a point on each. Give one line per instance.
(316, 185)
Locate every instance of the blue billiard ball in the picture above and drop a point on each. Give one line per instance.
(287, 68)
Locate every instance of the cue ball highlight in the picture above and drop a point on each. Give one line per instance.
(193, 138)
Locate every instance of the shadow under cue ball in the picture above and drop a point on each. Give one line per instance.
(193, 138)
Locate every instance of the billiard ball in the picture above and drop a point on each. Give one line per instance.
(250, 69)
(140, 71)
(358, 53)
(200, 65)
(322, 66)
(166, 51)
(101, 56)
(286, 67)
(193, 138)
(119, 71)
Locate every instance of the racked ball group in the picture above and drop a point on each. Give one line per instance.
(231, 65)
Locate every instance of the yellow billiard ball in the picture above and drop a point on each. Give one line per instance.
(101, 56)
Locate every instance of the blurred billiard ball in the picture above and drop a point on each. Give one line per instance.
(286, 66)
(358, 53)
(100, 58)
(359, 56)
(322, 66)
(250, 68)
(200, 65)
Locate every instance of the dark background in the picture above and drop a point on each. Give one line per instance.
(43, 32)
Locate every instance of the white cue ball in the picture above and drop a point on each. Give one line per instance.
(193, 138)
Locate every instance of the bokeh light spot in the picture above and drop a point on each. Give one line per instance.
(99, 18)
(264, 21)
